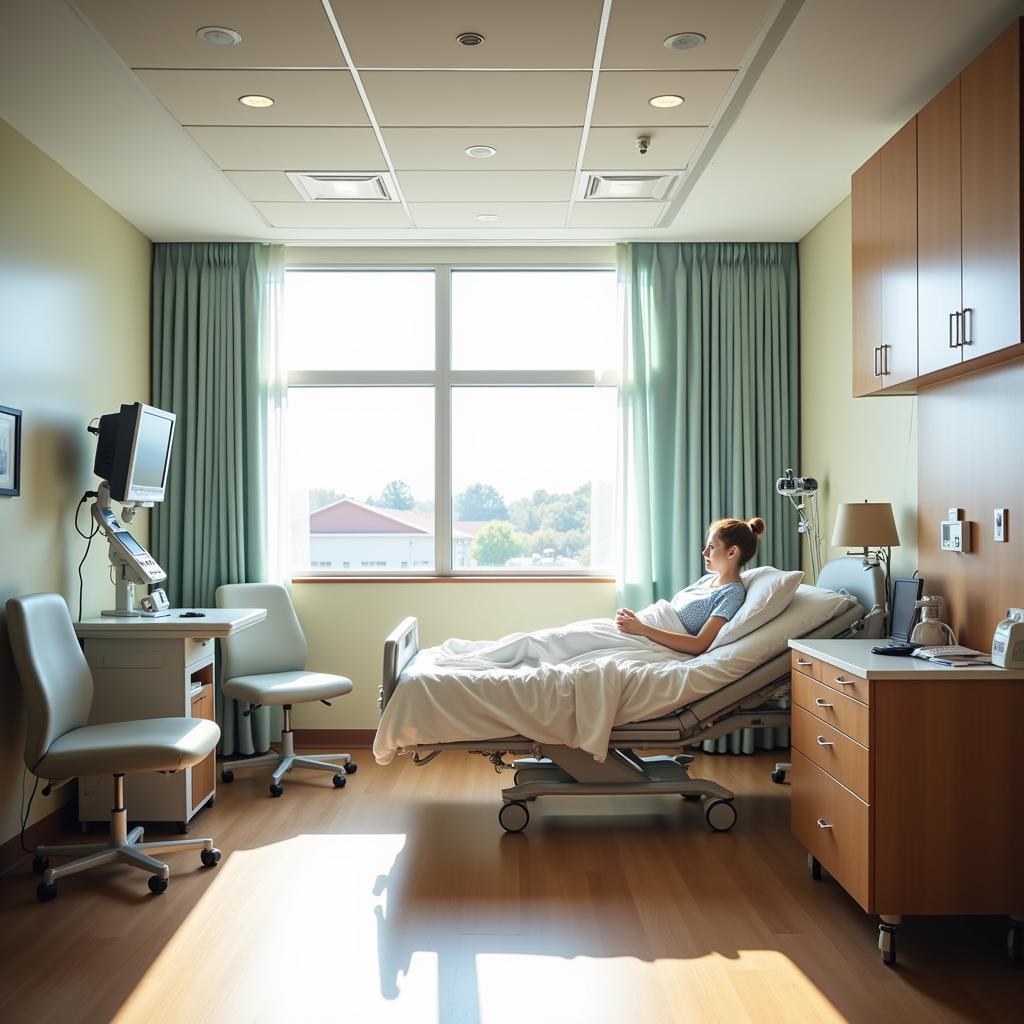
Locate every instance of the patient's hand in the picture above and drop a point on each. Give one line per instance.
(627, 622)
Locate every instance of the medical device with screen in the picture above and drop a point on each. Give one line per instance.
(133, 452)
(905, 595)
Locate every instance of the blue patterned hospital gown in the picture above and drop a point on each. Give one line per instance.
(699, 601)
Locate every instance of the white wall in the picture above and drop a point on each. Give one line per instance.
(74, 343)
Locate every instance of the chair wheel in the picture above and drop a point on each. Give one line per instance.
(779, 776)
(351, 767)
(40, 864)
(339, 781)
(720, 815)
(227, 775)
(514, 816)
(211, 858)
(45, 893)
(157, 884)
(275, 789)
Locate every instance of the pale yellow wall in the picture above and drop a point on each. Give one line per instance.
(863, 448)
(74, 330)
(346, 623)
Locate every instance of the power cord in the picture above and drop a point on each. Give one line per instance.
(26, 811)
(88, 537)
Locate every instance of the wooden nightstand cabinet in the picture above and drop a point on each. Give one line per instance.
(907, 784)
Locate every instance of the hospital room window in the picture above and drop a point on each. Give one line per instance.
(453, 421)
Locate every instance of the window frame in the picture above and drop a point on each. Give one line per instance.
(442, 379)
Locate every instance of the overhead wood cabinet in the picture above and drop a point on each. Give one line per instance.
(967, 220)
(885, 266)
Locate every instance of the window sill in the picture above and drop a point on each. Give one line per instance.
(535, 578)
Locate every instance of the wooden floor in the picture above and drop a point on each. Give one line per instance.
(400, 899)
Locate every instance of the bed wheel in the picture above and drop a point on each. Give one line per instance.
(720, 815)
(513, 816)
(778, 776)
(887, 943)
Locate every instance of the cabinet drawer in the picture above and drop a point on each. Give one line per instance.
(844, 682)
(833, 751)
(835, 709)
(806, 664)
(197, 650)
(833, 825)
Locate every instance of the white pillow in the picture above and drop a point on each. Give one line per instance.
(769, 591)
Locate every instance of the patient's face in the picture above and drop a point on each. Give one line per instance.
(715, 554)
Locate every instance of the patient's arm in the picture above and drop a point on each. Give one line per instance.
(681, 642)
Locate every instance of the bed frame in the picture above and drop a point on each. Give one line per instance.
(753, 700)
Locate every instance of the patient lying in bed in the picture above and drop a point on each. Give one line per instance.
(688, 624)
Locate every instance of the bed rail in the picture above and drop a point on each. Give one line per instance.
(399, 648)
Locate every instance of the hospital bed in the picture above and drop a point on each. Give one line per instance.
(752, 700)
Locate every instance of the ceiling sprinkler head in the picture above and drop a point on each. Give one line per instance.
(643, 143)
(470, 38)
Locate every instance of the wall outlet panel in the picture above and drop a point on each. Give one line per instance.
(999, 524)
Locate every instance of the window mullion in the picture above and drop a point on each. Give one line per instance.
(443, 420)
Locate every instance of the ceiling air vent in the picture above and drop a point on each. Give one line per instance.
(652, 185)
(344, 186)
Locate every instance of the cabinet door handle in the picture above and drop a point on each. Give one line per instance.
(952, 341)
(822, 742)
(803, 663)
(822, 823)
(968, 327)
(878, 353)
(843, 681)
(885, 360)
(821, 702)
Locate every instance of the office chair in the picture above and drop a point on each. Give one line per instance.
(60, 745)
(266, 664)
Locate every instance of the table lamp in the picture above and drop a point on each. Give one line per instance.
(867, 525)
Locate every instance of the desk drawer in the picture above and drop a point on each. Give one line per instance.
(832, 751)
(833, 825)
(806, 664)
(845, 682)
(835, 709)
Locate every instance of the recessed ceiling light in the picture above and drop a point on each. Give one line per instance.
(480, 152)
(665, 101)
(487, 216)
(685, 41)
(255, 101)
(470, 38)
(217, 35)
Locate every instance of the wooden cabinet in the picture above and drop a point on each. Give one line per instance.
(885, 266)
(964, 211)
(883, 798)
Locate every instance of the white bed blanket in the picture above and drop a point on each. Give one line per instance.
(572, 684)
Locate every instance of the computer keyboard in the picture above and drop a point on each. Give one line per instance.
(949, 651)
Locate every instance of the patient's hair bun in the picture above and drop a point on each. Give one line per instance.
(756, 526)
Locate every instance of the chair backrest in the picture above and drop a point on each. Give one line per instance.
(55, 676)
(277, 644)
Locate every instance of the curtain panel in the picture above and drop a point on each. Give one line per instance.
(210, 359)
(710, 409)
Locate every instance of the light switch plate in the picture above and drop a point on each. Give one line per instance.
(999, 524)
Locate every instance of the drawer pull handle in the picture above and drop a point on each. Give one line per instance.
(802, 663)
(842, 681)
(821, 702)
(822, 742)
(822, 823)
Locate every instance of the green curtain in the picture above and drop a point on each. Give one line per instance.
(710, 409)
(209, 361)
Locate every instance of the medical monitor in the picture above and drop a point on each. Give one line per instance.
(905, 595)
(133, 452)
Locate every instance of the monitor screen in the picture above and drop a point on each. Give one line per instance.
(152, 447)
(905, 595)
(133, 451)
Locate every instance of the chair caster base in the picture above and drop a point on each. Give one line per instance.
(157, 885)
(351, 767)
(210, 858)
(40, 864)
(339, 781)
(275, 789)
(45, 893)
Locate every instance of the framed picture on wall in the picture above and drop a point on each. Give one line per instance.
(10, 451)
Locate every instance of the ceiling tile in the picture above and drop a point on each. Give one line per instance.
(524, 34)
(162, 34)
(510, 215)
(265, 186)
(539, 149)
(334, 215)
(489, 186)
(291, 149)
(622, 97)
(615, 149)
(637, 32)
(619, 213)
(300, 97)
(455, 98)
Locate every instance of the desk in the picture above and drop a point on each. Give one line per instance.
(155, 668)
(906, 782)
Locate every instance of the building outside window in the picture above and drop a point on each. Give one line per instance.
(451, 420)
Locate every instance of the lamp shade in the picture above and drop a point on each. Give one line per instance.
(865, 524)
